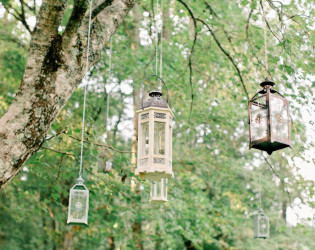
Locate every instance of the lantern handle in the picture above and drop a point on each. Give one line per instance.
(167, 100)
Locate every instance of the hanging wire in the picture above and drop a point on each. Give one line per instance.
(265, 38)
(109, 92)
(110, 57)
(85, 89)
(161, 46)
(259, 184)
(107, 115)
(265, 42)
(156, 38)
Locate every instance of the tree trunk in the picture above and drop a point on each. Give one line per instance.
(137, 235)
(111, 242)
(284, 210)
(55, 67)
(68, 241)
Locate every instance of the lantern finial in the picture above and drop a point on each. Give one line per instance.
(267, 83)
(155, 93)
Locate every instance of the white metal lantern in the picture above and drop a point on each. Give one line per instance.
(155, 138)
(158, 192)
(78, 203)
(108, 166)
(261, 225)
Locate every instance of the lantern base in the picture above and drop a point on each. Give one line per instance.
(269, 147)
(154, 173)
(155, 176)
(158, 200)
(77, 224)
(261, 237)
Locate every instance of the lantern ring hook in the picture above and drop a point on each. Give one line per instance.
(145, 78)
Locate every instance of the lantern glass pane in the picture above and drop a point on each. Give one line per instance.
(258, 118)
(159, 190)
(170, 141)
(144, 148)
(279, 118)
(78, 204)
(109, 166)
(159, 138)
(263, 226)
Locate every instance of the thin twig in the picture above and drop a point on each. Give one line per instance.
(275, 173)
(102, 145)
(59, 152)
(190, 56)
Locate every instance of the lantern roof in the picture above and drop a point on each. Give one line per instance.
(80, 181)
(156, 100)
(266, 83)
(267, 86)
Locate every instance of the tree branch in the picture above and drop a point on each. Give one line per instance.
(226, 54)
(190, 57)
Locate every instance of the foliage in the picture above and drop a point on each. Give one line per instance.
(215, 190)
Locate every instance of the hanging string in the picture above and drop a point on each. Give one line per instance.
(85, 90)
(109, 92)
(110, 57)
(156, 38)
(266, 47)
(161, 42)
(107, 115)
(259, 183)
(265, 38)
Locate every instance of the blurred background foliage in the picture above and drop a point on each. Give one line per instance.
(215, 190)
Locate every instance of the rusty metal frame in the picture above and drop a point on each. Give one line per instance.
(269, 93)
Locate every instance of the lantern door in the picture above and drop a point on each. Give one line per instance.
(160, 133)
(261, 226)
(78, 205)
(258, 118)
(143, 139)
(279, 119)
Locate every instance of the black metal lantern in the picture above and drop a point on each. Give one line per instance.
(269, 120)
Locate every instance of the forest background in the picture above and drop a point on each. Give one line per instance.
(213, 62)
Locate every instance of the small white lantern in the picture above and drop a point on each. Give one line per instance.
(261, 225)
(155, 139)
(158, 192)
(78, 203)
(108, 166)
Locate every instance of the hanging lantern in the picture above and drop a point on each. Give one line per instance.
(261, 225)
(269, 120)
(155, 138)
(78, 203)
(108, 166)
(158, 192)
